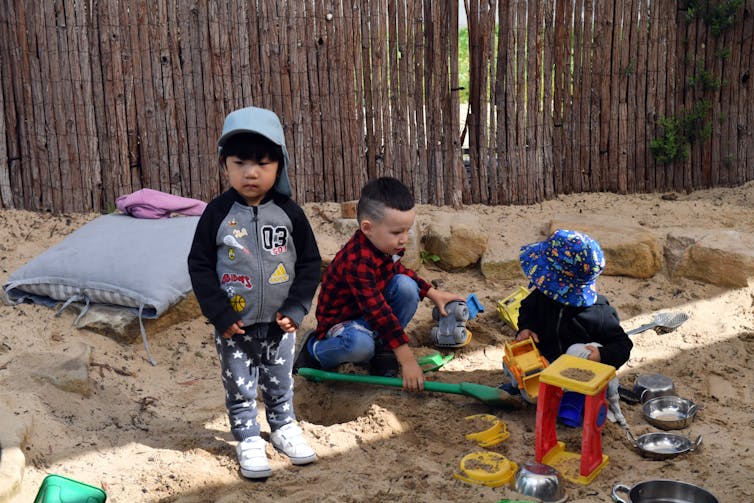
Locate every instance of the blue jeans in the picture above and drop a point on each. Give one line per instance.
(353, 341)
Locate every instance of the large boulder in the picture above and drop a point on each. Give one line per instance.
(629, 250)
(500, 261)
(720, 257)
(346, 226)
(412, 256)
(331, 243)
(456, 239)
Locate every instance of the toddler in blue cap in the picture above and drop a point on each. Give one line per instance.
(564, 313)
(255, 266)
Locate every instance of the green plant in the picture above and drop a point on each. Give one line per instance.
(680, 132)
(670, 145)
(695, 124)
(630, 68)
(463, 65)
(718, 15)
(428, 257)
(722, 53)
(706, 79)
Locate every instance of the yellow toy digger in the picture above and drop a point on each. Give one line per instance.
(525, 364)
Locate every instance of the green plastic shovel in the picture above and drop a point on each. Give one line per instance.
(433, 362)
(486, 394)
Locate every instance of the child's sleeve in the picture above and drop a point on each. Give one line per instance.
(202, 266)
(308, 265)
(616, 345)
(527, 314)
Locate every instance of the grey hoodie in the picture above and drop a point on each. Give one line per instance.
(248, 262)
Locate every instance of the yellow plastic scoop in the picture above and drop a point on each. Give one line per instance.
(493, 435)
(488, 468)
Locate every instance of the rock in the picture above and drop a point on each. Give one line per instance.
(69, 370)
(348, 209)
(456, 239)
(123, 325)
(500, 261)
(629, 250)
(676, 244)
(346, 226)
(412, 255)
(15, 428)
(719, 257)
(329, 246)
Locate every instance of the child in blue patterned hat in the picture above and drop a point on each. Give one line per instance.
(564, 313)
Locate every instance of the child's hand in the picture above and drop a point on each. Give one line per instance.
(413, 376)
(441, 298)
(594, 353)
(285, 323)
(234, 329)
(527, 334)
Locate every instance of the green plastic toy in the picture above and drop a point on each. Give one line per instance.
(487, 394)
(59, 489)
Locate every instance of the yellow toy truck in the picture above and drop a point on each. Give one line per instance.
(525, 364)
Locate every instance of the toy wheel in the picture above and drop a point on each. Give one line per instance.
(459, 334)
(460, 312)
(435, 314)
(433, 334)
(526, 397)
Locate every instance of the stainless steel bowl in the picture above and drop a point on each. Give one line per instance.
(650, 386)
(542, 482)
(669, 412)
(663, 491)
(662, 445)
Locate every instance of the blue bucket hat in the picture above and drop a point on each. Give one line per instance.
(564, 267)
(260, 121)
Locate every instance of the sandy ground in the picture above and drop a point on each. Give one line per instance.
(161, 433)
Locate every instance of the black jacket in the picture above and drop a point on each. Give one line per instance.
(558, 326)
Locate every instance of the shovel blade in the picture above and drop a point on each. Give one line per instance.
(490, 395)
(667, 322)
(434, 361)
(670, 321)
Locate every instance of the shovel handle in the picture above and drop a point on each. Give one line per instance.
(396, 382)
(642, 328)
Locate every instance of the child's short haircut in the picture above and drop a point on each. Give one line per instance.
(381, 193)
(252, 147)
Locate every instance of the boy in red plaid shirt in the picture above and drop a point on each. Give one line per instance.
(368, 297)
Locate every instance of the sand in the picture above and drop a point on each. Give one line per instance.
(161, 433)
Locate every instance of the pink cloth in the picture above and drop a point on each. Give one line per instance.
(149, 203)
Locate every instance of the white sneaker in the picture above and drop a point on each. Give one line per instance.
(290, 441)
(253, 458)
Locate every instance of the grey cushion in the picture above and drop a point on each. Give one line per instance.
(139, 264)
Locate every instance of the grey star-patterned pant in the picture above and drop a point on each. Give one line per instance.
(261, 358)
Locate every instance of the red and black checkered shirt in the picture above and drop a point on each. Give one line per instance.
(353, 287)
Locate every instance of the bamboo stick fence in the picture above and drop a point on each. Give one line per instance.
(102, 98)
